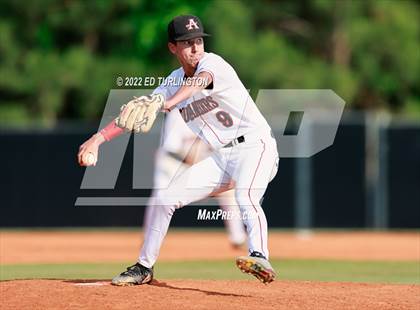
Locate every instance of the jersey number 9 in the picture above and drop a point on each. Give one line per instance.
(224, 118)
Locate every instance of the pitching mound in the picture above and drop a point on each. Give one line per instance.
(194, 294)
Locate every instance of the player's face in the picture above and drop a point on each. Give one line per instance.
(188, 52)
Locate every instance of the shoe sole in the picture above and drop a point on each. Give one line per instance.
(124, 284)
(145, 281)
(252, 267)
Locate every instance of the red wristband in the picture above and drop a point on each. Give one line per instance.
(111, 131)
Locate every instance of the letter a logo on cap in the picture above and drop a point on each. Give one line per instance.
(191, 24)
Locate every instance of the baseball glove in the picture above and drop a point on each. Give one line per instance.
(139, 114)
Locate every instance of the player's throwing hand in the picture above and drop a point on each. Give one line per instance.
(88, 151)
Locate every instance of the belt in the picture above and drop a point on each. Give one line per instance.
(235, 141)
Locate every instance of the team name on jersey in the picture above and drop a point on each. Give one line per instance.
(197, 108)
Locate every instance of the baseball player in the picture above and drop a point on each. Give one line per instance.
(218, 108)
(179, 149)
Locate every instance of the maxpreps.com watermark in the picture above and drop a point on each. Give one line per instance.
(216, 215)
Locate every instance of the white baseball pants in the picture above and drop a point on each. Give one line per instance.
(251, 165)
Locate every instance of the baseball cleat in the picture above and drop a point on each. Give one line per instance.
(258, 266)
(134, 275)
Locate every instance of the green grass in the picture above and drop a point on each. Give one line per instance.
(316, 270)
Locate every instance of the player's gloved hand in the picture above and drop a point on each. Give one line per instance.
(139, 114)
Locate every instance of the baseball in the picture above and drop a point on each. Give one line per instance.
(89, 159)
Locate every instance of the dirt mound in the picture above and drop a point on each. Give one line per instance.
(194, 294)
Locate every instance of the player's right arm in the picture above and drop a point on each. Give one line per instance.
(109, 132)
(91, 146)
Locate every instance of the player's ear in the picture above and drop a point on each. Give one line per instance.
(172, 47)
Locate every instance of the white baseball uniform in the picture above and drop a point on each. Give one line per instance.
(176, 142)
(245, 151)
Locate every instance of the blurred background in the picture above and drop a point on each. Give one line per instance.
(59, 60)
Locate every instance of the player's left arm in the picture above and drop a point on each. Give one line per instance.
(195, 84)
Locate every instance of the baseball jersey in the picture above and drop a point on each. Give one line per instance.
(221, 113)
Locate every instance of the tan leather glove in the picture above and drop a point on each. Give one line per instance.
(139, 114)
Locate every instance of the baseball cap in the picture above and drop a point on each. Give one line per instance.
(185, 27)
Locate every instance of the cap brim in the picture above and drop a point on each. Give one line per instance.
(189, 36)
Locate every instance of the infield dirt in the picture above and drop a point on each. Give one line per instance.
(117, 246)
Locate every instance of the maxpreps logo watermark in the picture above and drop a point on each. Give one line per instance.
(216, 215)
(319, 112)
